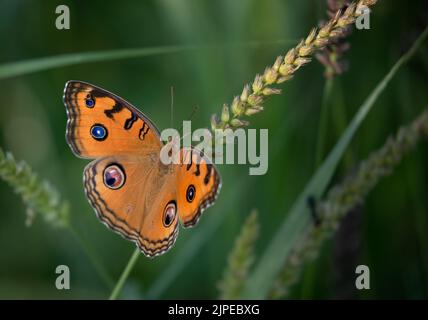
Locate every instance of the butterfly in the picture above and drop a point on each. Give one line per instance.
(131, 190)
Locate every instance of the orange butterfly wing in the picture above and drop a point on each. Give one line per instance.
(136, 209)
(198, 184)
(126, 129)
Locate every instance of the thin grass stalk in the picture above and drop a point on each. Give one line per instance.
(125, 274)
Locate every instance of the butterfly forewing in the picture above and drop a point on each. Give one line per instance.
(102, 124)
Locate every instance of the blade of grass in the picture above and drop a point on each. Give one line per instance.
(260, 281)
(13, 69)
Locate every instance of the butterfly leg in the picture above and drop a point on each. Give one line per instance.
(312, 204)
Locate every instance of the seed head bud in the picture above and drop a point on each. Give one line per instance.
(277, 63)
(245, 93)
(238, 123)
(254, 100)
(251, 111)
(290, 56)
(225, 116)
(270, 75)
(237, 107)
(270, 91)
(215, 123)
(257, 84)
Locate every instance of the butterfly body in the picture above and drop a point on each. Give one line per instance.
(131, 190)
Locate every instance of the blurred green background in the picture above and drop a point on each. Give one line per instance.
(389, 233)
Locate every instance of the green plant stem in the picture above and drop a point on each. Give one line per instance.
(288, 235)
(323, 123)
(99, 268)
(125, 274)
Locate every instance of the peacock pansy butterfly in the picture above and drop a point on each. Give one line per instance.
(131, 190)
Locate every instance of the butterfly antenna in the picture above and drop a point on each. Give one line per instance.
(172, 106)
(194, 110)
(191, 115)
(189, 118)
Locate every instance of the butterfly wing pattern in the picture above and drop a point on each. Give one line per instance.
(199, 184)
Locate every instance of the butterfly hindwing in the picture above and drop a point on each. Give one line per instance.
(130, 195)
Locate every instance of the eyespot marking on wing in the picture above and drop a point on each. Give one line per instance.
(99, 132)
(114, 176)
(169, 213)
(190, 193)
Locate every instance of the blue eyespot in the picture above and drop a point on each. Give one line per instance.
(90, 102)
(98, 132)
